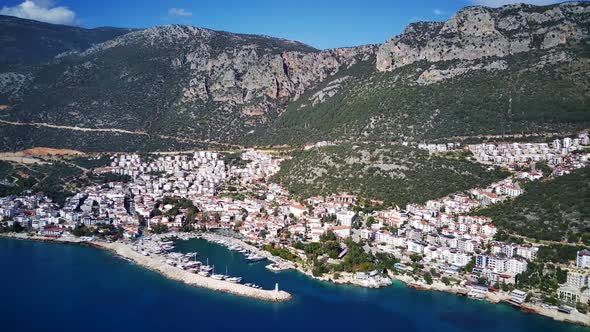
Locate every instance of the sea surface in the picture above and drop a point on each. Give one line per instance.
(58, 287)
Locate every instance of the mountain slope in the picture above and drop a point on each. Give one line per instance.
(172, 80)
(25, 41)
(514, 69)
(396, 174)
(550, 210)
(540, 91)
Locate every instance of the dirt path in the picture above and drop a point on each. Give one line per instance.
(119, 131)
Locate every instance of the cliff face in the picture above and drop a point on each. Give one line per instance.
(218, 86)
(234, 68)
(480, 32)
(173, 79)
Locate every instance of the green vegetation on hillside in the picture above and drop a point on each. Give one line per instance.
(392, 106)
(395, 174)
(549, 210)
(58, 179)
(50, 179)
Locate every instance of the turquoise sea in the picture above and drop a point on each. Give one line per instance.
(57, 287)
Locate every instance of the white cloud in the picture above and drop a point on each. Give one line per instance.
(41, 10)
(179, 12)
(499, 3)
(438, 12)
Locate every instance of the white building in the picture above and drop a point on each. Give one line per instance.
(583, 259)
(346, 218)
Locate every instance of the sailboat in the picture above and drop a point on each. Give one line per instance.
(235, 280)
(206, 268)
(217, 276)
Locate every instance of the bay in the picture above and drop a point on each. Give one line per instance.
(49, 287)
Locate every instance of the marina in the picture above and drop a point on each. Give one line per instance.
(162, 249)
(153, 296)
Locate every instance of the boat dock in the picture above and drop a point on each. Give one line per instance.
(159, 264)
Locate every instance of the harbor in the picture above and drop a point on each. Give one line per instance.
(123, 286)
(180, 267)
(155, 253)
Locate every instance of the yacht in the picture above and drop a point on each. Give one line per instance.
(235, 280)
(254, 257)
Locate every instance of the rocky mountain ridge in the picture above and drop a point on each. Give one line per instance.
(31, 42)
(480, 32)
(216, 86)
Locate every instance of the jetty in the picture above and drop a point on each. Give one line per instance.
(171, 272)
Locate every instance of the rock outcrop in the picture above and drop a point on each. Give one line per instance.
(480, 32)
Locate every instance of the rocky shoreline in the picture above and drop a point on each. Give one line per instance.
(495, 298)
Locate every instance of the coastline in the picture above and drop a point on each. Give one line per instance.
(495, 298)
(344, 279)
(170, 272)
(124, 251)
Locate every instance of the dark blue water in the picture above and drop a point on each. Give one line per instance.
(55, 287)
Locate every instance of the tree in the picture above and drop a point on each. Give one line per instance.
(428, 278)
(159, 228)
(370, 221)
(482, 281)
(445, 280)
(582, 307)
(469, 266)
(416, 257)
(263, 233)
(328, 236)
(82, 230)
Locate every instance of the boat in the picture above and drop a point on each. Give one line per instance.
(235, 280)
(254, 257)
(274, 267)
(203, 273)
(192, 265)
(217, 276)
(226, 275)
(206, 267)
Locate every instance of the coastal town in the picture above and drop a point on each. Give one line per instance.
(230, 198)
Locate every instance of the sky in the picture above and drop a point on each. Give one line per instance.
(320, 23)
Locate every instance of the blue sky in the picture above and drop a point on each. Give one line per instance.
(319, 23)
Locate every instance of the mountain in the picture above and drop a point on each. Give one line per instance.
(31, 42)
(514, 69)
